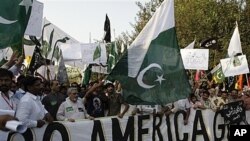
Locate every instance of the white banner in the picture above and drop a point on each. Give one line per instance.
(196, 59)
(203, 125)
(234, 65)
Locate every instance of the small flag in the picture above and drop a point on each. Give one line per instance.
(210, 43)
(218, 75)
(97, 52)
(191, 45)
(87, 75)
(113, 56)
(107, 37)
(239, 83)
(235, 44)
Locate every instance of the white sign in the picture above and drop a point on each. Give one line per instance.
(234, 65)
(34, 26)
(196, 59)
(100, 69)
(203, 125)
(88, 51)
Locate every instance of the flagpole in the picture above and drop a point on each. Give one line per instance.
(214, 56)
(89, 37)
(247, 80)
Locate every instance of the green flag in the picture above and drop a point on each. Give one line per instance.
(14, 17)
(97, 52)
(113, 56)
(87, 75)
(219, 76)
(152, 71)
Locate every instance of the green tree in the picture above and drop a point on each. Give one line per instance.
(201, 19)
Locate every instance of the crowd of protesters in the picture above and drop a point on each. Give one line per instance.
(37, 101)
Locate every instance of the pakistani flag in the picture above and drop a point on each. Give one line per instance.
(113, 56)
(97, 53)
(14, 17)
(152, 72)
(218, 75)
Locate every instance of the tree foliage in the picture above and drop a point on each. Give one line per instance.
(199, 20)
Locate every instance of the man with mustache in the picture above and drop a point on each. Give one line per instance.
(7, 101)
(30, 109)
(73, 108)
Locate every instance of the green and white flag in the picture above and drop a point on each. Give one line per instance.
(97, 52)
(113, 56)
(218, 75)
(152, 71)
(14, 17)
(52, 38)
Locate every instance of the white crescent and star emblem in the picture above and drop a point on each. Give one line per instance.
(5, 21)
(26, 3)
(141, 74)
(219, 75)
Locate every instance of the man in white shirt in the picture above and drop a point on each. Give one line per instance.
(73, 108)
(30, 109)
(7, 101)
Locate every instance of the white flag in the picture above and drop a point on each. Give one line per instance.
(235, 44)
(190, 46)
(234, 65)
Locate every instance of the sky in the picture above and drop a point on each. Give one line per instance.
(83, 19)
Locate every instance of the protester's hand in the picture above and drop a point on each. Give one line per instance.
(185, 122)
(133, 113)
(120, 115)
(4, 119)
(20, 61)
(167, 113)
(195, 106)
(40, 123)
(71, 120)
(48, 118)
(91, 118)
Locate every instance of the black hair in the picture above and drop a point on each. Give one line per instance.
(207, 92)
(29, 81)
(109, 84)
(5, 72)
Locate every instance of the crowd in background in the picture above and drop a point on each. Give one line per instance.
(37, 101)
